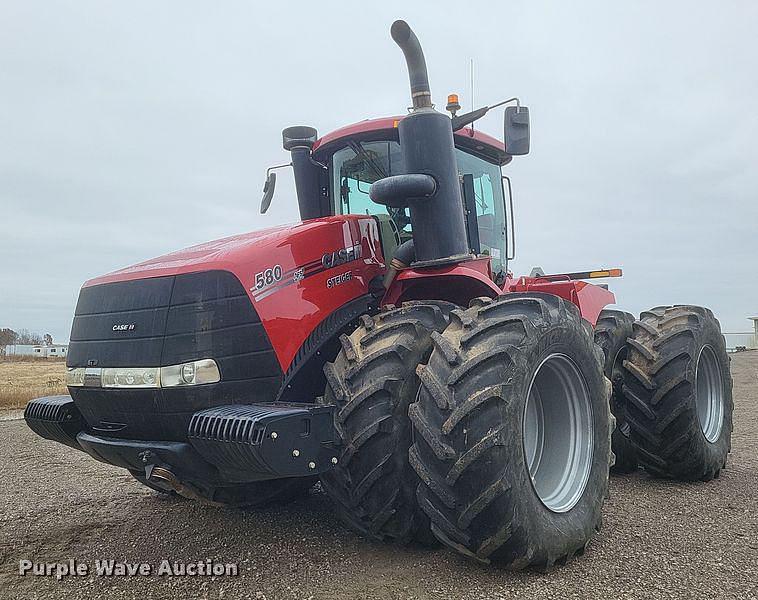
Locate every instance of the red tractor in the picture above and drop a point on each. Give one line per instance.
(383, 346)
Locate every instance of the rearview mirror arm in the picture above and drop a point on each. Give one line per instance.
(268, 171)
(469, 117)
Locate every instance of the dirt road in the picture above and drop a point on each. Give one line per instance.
(660, 540)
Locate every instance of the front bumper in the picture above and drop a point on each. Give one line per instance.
(225, 444)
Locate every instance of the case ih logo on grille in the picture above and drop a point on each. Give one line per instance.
(342, 256)
(123, 326)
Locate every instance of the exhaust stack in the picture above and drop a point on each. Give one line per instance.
(421, 95)
(430, 186)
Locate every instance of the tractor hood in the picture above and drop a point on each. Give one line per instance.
(224, 254)
(291, 276)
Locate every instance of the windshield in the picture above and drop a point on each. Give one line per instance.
(359, 164)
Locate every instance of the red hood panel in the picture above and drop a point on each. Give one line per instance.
(290, 283)
(221, 254)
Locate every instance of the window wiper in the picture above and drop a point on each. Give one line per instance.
(359, 150)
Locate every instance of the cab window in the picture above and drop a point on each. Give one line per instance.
(359, 164)
(355, 168)
(490, 209)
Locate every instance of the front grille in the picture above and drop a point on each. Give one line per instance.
(166, 321)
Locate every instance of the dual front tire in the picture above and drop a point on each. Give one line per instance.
(499, 470)
(372, 383)
(513, 432)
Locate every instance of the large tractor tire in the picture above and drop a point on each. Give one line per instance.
(678, 393)
(611, 332)
(372, 382)
(512, 432)
(248, 495)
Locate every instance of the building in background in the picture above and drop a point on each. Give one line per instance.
(743, 340)
(39, 350)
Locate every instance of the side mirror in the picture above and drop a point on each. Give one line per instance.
(268, 191)
(517, 130)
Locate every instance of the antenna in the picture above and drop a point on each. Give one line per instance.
(471, 76)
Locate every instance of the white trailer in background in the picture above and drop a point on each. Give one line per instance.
(744, 340)
(38, 350)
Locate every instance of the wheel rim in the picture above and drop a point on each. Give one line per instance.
(710, 394)
(558, 432)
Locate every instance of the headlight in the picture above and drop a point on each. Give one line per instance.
(193, 373)
(197, 372)
(75, 376)
(145, 377)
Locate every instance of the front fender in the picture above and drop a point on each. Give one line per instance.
(458, 283)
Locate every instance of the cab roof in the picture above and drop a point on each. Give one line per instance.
(466, 138)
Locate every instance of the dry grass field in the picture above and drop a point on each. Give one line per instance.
(22, 379)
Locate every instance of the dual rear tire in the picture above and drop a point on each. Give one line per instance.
(612, 330)
(677, 393)
(672, 391)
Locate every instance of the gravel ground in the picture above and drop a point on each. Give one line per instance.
(661, 539)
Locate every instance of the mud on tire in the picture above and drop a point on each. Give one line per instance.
(470, 450)
(611, 332)
(678, 393)
(372, 382)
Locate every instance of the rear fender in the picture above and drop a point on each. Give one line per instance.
(589, 298)
(462, 282)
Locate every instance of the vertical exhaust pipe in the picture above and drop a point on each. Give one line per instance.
(421, 95)
(430, 186)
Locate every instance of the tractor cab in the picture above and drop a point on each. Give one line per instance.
(336, 175)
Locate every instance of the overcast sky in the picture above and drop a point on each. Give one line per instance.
(131, 129)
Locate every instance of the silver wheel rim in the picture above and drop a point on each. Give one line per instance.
(710, 394)
(557, 430)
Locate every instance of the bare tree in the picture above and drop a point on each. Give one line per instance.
(26, 337)
(8, 337)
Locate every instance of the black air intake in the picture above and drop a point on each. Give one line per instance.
(298, 141)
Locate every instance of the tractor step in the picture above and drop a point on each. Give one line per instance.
(280, 440)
